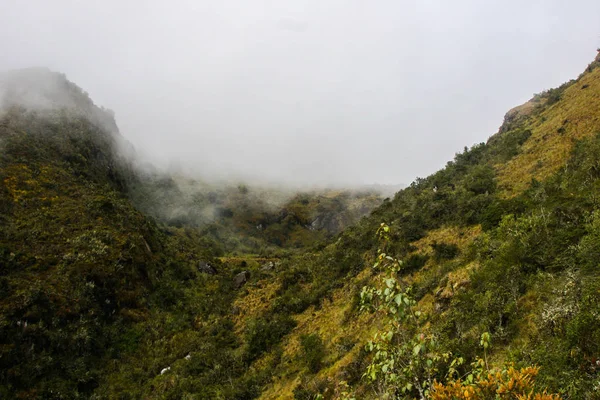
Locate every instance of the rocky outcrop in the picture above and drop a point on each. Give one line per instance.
(240, 279)
(206, 268)
(268, 266)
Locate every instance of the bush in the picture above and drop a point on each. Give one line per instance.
(507, 383)
(263, 333)
(444, 251)
(414, 263)
(313, 351)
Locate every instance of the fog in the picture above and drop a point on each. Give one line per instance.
(304, 92)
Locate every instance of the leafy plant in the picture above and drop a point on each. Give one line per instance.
(406, 357)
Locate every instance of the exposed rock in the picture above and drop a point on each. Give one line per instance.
(268, 266)
(515, 115)
(315, 225)
(148, 250)
(329, 222)
(206, 268)
(241, 279)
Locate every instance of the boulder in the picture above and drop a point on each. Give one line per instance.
(240, 279)
(206, 268)
(268, 266)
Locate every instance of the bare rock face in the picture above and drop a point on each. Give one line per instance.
(206, 268)
(240, 279)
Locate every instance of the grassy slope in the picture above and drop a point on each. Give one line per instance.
(554, 131)
(527, 277)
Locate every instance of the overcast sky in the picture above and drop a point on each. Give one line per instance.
(305, 91)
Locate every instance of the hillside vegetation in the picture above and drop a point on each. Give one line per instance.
(482, 281)
(248, 219)
(493, 243)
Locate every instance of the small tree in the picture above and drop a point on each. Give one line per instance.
(313, 351)
(406, 357)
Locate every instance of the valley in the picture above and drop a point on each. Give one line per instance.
(123, 283)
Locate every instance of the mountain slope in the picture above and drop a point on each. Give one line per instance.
(247, 219)
(556, 120)
(98, 301)
(78, 262)
(495, 242)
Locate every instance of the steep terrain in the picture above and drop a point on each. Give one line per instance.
(495, 257)
(88, 283)
(79, 264)
(502, 240)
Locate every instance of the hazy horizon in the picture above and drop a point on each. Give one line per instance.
(305, 92)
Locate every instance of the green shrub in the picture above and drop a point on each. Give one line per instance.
(414, 263)
(265, 332)
(444, 251)
(312, 351)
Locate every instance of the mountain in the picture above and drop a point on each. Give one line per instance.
(85, 274)
(78, 260)
(490, 261)
(501, 242)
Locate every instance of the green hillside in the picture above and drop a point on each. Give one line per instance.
(502, 240)
(79, 263)
(488, 264)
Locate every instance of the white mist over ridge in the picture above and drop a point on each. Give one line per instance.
(44, 93)
(39, 89)
(303, 91)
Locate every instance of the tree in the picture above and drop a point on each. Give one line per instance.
(406, 357)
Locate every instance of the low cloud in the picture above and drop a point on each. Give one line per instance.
(304, 92)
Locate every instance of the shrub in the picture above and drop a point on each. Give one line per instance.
(506, 383)
(263, 333)
(414, 263)
(313, 351)
(444, 251)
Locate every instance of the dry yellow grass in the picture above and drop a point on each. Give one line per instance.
(459, 236)
(334, 321)
(462, 237)
(456, 280)
(332, 324)
(576, 116)
(255, 303)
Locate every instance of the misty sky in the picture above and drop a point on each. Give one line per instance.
(305, 91)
